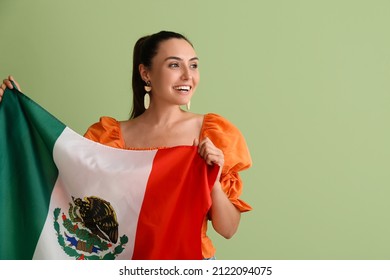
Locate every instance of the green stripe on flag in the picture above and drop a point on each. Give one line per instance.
(27, 172)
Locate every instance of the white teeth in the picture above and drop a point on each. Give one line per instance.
(183, 88)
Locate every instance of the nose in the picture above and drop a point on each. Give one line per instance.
(186, 75)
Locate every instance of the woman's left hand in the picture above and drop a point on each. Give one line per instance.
(210, 153)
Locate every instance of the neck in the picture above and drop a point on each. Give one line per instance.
(157, 116)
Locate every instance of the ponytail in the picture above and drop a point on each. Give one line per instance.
(137, 82)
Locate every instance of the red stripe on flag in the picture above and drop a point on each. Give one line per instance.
(176, 201)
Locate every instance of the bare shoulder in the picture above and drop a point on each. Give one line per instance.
(129, 124)
(195, 119)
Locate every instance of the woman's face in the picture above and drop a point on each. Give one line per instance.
(174, 72)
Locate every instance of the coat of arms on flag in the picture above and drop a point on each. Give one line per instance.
(89, 230)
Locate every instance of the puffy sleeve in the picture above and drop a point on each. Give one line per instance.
(106, 131)
(229, 139)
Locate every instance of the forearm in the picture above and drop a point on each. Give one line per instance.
(225, 217)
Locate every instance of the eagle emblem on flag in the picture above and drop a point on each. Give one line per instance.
(90, 231)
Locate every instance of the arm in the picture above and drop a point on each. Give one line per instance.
(225, 217)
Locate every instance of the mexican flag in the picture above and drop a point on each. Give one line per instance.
(63, 196)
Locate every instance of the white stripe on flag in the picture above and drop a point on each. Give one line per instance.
(89, 169)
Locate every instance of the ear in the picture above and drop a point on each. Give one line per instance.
(144, 72)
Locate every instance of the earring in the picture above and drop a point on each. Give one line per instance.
(188, 105)
(147, 88)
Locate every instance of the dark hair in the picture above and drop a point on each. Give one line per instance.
(144, 50)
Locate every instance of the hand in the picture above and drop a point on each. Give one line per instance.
(210, 153)
(7, 84)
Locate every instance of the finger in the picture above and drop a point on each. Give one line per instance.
(214, 159)
(206, 147)
(1, 91)
(203, 149)
(211, 154)
(196, 142)
(204, 144)
(11, 78)
(8, 83)
(205, 140)
(2, 88)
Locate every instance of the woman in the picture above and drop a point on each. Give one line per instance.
(165, 76)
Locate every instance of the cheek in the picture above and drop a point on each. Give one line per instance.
(195, 78)
(161, 79)
(169, 76)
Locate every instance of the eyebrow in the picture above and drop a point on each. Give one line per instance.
(178, 58)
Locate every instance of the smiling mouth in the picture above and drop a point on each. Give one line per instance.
(183, 89)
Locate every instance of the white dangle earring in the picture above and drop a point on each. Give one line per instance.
(147, 88)
(188, 105)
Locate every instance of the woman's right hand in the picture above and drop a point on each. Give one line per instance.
(7, 84)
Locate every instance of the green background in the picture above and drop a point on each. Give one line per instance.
(307, 83)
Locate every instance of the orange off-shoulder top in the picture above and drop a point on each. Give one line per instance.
(222, 133)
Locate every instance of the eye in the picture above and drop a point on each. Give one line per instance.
(194, 66)
(173, 65)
